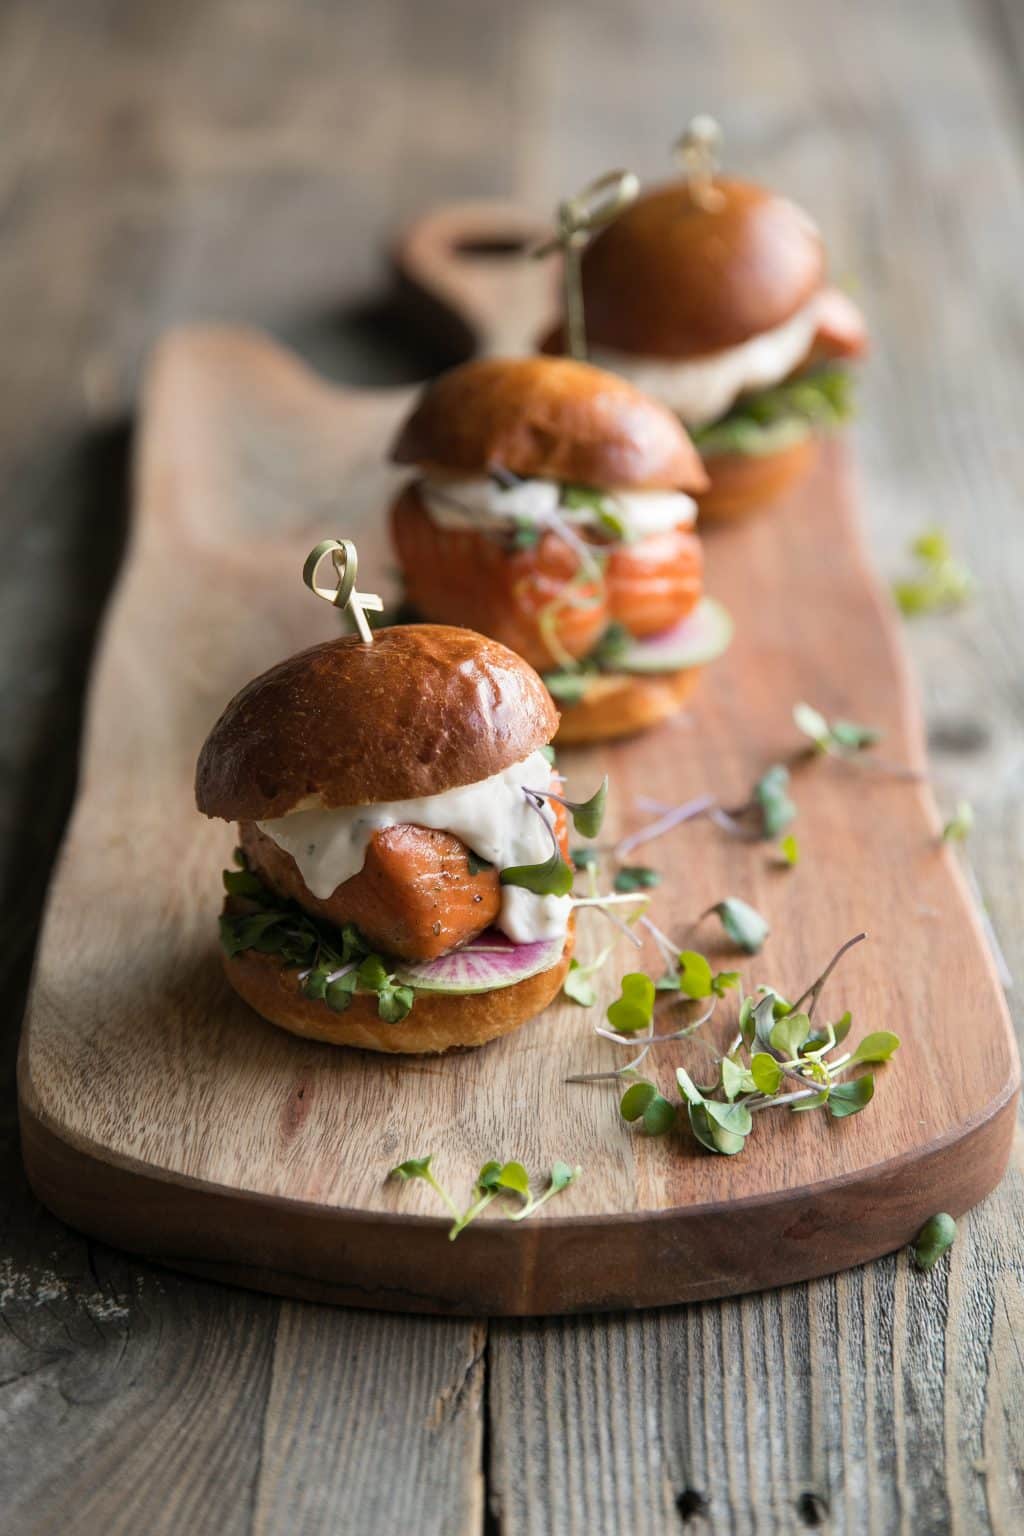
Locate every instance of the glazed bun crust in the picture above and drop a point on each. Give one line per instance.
(424, 709)
(623, 703)
(742, 483)
(551, 418)
(439, 1021)
(669, 278)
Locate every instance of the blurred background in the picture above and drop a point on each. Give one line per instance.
(251, 161)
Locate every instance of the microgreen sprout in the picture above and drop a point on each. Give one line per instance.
(636, 877)
(746, 927)
(935, 1238)
(789, 851)
(838, 736)
(958, 828)
(940, 583)
(495, 1179)
(776, 1047)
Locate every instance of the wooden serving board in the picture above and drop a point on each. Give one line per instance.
(160, 1114)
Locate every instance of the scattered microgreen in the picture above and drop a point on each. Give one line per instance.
(601, 506)
(789, 851)
(935, 1238)
(585, 858)
(958, 828)
(634, 1008)
(771, 800)
(642, 1101)
(940, 582)
(636, 877)
(552, 877)
(568, 685)
(494, 1180)
(837, 736)
(588, 815)
(335, 962)
(746, 927)
(578, 985)
(778, 1058)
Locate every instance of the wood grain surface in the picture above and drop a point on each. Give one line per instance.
(151, 1095)
(250, 161)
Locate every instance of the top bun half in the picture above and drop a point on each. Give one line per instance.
(672, 278)
(424, 709)
(550, 418)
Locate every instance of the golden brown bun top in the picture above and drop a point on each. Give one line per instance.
(424, 709)
(670, 278)
(549, 417)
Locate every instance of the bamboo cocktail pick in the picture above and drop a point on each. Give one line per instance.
(343, 595)
(697, 149)
(597, 204)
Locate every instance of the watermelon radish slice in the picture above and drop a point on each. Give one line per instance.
(702, 636)
(489, 962)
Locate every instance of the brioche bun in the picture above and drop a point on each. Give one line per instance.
(424, 709)
(745, 482)
(550, 418)
(671, 278)
(623, 703)
(439, 1021)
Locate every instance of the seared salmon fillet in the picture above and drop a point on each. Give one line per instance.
(414, 896)
(469, 578)
(653, 584)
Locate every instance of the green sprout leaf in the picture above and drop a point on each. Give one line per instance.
(636, 1099)
(567, 685)
(812, 724)
(880, 1046)
(695, 977)
(636, 877)
(561, 1177)
(724, 982)
(551, 878)
(769, 420)
(941, 582)
(769, 795)
(935, 1238)
(395, 1003)
(789, 850)
(687, 1087)
(338, 993)
(745, 927)
(734, 1118)
(659, 1117)
(717, 1138)
(578, 986)
(839, 736)
(588, 815)
(850, 1098)
(241, 882)
(766, 1072)
(958, 827)
(736, 1079)
(585, 858)
(634, 1009)
(788, 1034)
(413, 1168)
(514, 1176)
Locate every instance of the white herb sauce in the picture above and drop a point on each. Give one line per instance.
(482, 505)
(701, 389)
(493, 818)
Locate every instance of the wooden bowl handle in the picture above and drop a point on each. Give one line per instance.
(468, 268)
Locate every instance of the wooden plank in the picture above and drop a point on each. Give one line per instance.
(244, 1152)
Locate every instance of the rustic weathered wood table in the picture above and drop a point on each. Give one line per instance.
(247, 161)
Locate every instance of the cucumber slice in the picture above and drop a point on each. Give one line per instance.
(701, 637)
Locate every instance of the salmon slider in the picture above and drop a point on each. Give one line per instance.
(712, 295)
(552, 509)
(402, 881)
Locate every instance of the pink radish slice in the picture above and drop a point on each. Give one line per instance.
(490, 962)
(699, 638)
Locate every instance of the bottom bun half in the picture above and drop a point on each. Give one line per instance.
(745, 482)
(439, 1021)
(622, 703)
